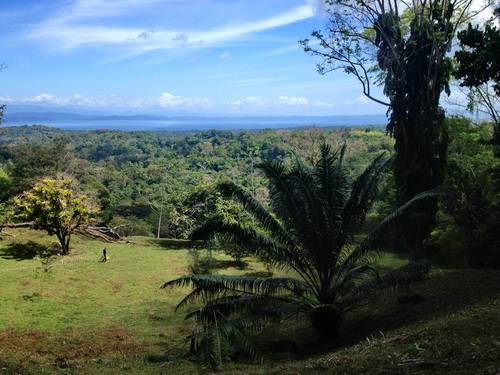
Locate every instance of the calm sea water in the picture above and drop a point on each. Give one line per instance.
(244, 123)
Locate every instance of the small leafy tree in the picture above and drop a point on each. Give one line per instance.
(316, 212)
(54, 206)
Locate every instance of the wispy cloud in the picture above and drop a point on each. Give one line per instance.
(225, 55)
(283, 50)
(279, 102)
(260, 80)
(87, 22)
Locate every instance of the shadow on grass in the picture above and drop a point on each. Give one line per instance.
(239, 264)
(164, 358)
(439, 296)
(174, 244)
(258, 274)
(24, 251)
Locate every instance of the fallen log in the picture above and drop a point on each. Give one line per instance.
(103, 233)
(110, 232)
(17, 225)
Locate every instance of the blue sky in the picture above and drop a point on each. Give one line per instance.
(235, 57)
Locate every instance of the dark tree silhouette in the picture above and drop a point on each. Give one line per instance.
(403, 47)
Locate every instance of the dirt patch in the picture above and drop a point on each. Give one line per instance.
(71, 350)
(13, 340)
(117, 286)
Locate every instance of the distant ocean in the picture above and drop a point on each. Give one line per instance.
(199, 123)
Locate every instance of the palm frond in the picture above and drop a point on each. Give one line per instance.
(351, 278)
(292, 197)
(405, 275)
(241, 341)
(239, 304)
(366, 245)
(332, 176)
(217, 286)
(268, 221)
(363, 193)
(402, 276)
(260, 319)
(283, 252)
(214, 348)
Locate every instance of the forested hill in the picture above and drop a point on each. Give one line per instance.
(138, 176)
(130, 173)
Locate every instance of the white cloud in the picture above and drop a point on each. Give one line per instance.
(291, 101)
(225, 55)
(323, 104)
(166, 100)
(71, 101)
(251, 101)
(88, 9)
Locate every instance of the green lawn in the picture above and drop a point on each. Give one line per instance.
(87, 317)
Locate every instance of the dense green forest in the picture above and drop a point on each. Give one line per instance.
(134, 175)
(150, 183)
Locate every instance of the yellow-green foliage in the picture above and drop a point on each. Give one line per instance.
(54, 206)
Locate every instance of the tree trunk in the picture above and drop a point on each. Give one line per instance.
(326, 319)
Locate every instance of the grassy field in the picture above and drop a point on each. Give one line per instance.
(79, 316)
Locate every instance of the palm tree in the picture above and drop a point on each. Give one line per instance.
(316, 212)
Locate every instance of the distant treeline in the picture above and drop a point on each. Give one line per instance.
(135, 176)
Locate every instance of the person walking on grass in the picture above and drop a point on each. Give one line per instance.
(104, 255)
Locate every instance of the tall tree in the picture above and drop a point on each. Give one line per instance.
(403, 47)
(479, 69)
(316, 211)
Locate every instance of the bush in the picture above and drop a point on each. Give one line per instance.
(202, 265)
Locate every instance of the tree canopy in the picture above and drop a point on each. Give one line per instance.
(54, 206)
(478, 69)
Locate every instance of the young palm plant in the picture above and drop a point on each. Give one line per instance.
(315, 214)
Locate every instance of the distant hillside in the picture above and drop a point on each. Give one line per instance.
(76, 121)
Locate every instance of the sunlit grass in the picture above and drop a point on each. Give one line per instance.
(88, 317)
